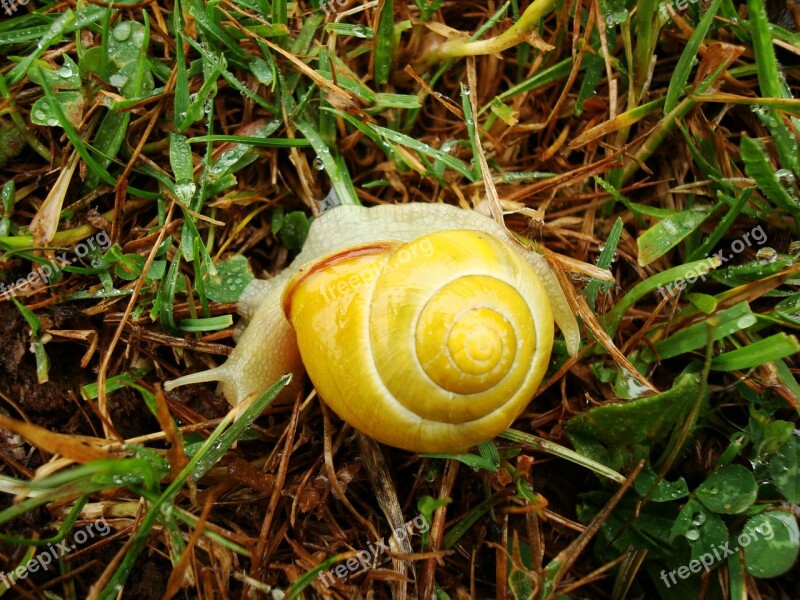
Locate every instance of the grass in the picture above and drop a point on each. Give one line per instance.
(202, 137)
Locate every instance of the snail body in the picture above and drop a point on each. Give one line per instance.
(422, 325)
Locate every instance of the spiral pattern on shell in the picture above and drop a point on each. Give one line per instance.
(432, 345)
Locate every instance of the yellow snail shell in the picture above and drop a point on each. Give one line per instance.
(422, 325)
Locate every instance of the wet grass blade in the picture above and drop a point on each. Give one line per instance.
(336, 169)
(758, 167)
(425, 150)
(769, 80)
(57, 29)
(668, 233)
(725, 223)
(646, 34)
(42, 362)
(384, 43)
(736, 318)
(605, 260)
(775, 347)
(537, 443)
(686, 62)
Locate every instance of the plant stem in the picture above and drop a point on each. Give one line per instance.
(515, 34)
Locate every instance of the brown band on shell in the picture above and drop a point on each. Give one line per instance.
(328, 261)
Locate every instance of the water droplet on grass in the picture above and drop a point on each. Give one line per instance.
(785, 176)
(117, 80)
(766, 255)
(185, 190)
(122, 31)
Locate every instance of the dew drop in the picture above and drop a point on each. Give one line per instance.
(699, 519)
(670, 227)
(467, 90)
(118, 80)
(319, 164)
(185, 190)
(602, 246)
(52, 122)
(785, 176)
(766, 255)
(692, 535)
(122, 31)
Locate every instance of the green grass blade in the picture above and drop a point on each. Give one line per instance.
(668, 233)
(769, 80)
(56, 31)
(336, 169)
(775, 347)
(42, 362)
(757, 166)
(384, 43)
(605, 260)
(554, 449)
(686, 62)
(734, 319)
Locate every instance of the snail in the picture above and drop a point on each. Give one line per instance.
(424, 326)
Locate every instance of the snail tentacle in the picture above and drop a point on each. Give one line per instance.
(207, 376)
